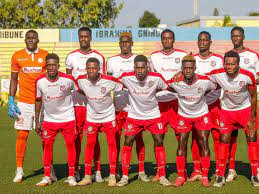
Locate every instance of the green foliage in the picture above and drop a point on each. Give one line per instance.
(148, 20)
(254, 14)
(58, 13)
(227, 21)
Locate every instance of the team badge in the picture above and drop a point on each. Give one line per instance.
(242, 83)
(200, 90)
(205, 119)
(213, 63)
(90, 129)
(129, 126)
(20, 121)
(246, 61)
(181, 123)
(62, 88)
(177, 60)
(45, 133)
(151, 83)
(113, 123)
(221, 124)
(103, 90)
(40, 60)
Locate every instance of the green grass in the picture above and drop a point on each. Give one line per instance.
(34, 171)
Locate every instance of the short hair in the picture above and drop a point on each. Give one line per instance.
(52, 56)
(205, 32)
(188, 58)
(93, 60)
(140, 58)
(32, 31)
(240, 29)
(232, 54)
(127, 34)
(168, 30)
(85, 29)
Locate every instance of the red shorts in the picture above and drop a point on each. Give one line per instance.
(121, 119)
(233, 120)
(185, 125)
(134, 126)
(50, 130)
(168, 113)
(80, 113)
(93, 128)
(214, 110)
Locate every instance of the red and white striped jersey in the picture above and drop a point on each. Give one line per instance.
(57, 97)
(191, 97)
(76, 60)
(205, 65)
(100, 107)
(142, 95)
(167, 64)
(235, 90)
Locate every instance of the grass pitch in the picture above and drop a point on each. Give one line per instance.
(34, 171)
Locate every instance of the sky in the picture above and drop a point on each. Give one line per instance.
(172, 11)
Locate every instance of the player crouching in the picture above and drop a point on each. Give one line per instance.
(53, 91)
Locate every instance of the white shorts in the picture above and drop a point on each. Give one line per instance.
(26, 119)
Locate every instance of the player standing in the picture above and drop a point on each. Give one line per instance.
(238, 108)
(143, 114)
(249, 60)
(206, 61)
(75, 65)
(27, 64)
(100, 115)
(53, 91)
(167, 62)
(116, 65)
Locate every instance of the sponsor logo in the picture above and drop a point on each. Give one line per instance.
(246, 61)
(62, 88)
(52, 85)
(140, 93)
(151, 83)
(54, 98)
(205, 119)
(200, 90)
(169, 70)
(22, 59)
(40, 60)
(103, 90)
(177, 60)
(213, 63)
(32, 69)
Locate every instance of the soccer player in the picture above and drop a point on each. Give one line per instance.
(206, 61)
(75, 65)
(249, 60)
(116, 65)
(27, 64)
(167, 62)
(100, 115)
(53, 91)
(143, 114)
(238, 108)
(193, 114)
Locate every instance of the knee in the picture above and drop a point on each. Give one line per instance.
(251, 139)
(91, 140)
(158, 141)
(128, 141)
(225, 139)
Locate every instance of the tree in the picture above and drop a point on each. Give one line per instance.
(148, 20)
(227, 21)
(254, 14)
(58, 13)
(20, 14)
(215, 12)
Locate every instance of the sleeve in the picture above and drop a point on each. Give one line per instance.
(68, 62)
(251, 82)
(211, 85)
(151, 66)
(118, 86)
(257, 64)
(14, 64)
(162, 84)
(103, 65)
(108, 67)
(38, 91)
(74, 85)
(212, 77)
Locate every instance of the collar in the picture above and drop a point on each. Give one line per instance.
(29, 52)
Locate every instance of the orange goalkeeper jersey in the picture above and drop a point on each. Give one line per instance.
(29, 66)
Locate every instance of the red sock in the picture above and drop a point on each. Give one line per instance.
(97, 156)
(140, 149)
(180, 164)
(216, 136)
(71, 152)
(252, 157)
(195, 155)
(110, 137)
(125, 159)
(205, 165)
(232, 152)
(160, 159)
(257, 151)
(89, 153)
(118, 146)
(223, 154)
(78, 142)
(47, 156)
